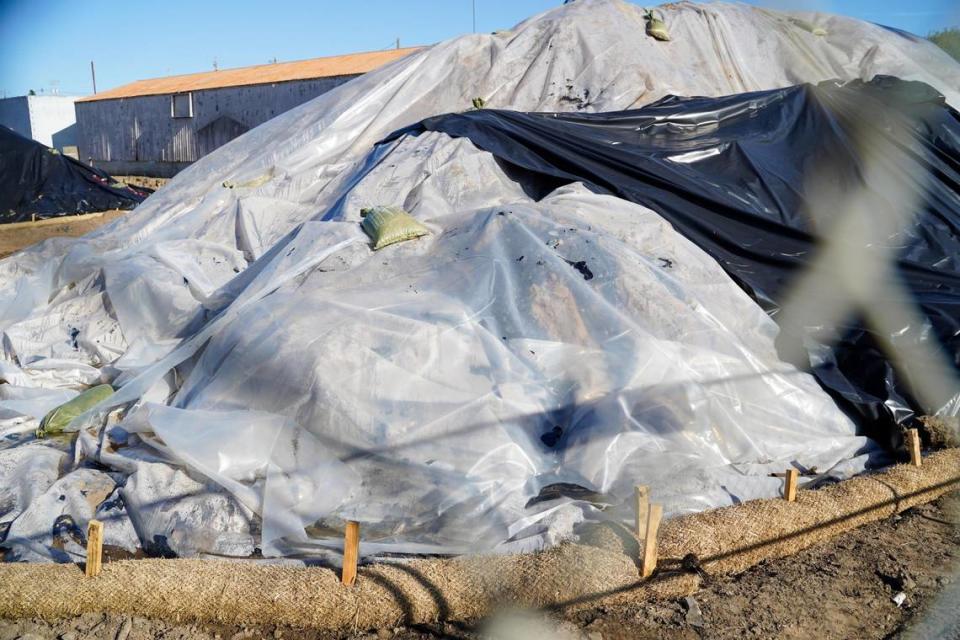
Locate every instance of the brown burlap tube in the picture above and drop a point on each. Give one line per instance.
(604, 570)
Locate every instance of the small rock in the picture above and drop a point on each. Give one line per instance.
(69, 635)
(124, 629)
(595, 635)
(899, 599)
(278, 633)
(384, 634)
(694, 616)
(897, 580)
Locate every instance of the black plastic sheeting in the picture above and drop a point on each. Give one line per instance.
(36, 181)
(750, 179)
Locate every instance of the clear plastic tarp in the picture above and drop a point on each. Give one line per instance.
(485, 387)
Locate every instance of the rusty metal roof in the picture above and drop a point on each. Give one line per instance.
(346, 65)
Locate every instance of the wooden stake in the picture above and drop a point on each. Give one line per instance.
(790, 485)
(94, 548)
(649, 562)
(351, 552)
(913, 443)
(642, 506)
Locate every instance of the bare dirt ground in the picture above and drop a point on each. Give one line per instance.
(845, 588)
(21, 235)
(16, 236)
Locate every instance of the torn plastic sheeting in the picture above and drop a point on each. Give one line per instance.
(731, 173)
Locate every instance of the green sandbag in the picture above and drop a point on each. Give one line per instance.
(259, 181)
(656, 27)
(58, 419)
(387, 225)
(806, 26)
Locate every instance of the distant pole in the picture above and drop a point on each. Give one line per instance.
(93, 76)
(398, 43)
(474, 5)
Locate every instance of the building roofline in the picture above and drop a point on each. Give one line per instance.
(271, 73)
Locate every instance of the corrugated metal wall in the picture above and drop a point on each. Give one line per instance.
(141, 129)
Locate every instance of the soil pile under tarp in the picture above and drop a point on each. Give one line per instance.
(485, 387)
(39, 182)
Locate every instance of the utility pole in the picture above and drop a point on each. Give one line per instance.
(93, 76)
(398, 43)
(473, 3)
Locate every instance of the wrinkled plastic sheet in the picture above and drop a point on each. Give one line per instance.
(262, 307)
(37, 181)
(738, 176)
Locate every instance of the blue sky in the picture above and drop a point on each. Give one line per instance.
(50, 43)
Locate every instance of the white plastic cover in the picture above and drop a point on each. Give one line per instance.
(430, 390)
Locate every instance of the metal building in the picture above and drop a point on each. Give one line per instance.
(158, 127)
(49, 120)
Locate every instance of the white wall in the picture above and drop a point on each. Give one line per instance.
(53, 120)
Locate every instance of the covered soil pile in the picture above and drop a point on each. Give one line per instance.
(490, 386)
